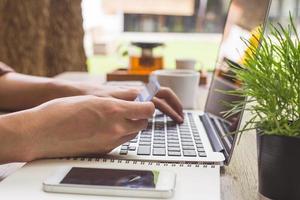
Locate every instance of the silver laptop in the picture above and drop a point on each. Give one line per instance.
(204, 136)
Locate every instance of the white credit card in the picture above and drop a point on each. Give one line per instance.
(149, 91)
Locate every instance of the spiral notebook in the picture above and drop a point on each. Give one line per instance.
(194, 181)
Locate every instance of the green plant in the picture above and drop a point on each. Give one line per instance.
(270, 80)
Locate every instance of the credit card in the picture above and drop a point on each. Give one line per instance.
(149, 91)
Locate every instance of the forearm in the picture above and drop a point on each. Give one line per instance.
(18, 92)
(16, 143)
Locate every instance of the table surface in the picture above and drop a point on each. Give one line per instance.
(238, 180)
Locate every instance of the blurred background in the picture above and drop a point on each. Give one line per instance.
(47, 37)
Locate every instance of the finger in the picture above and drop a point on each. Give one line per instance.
(128, 94)
(138, 110)
(134, 126)
(168, 110)
(171, 99)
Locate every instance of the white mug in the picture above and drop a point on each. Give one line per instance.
(183, 82)
(185, 64)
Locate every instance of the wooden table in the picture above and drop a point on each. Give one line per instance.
(238, 180)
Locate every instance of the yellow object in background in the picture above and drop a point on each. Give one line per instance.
(253, 43)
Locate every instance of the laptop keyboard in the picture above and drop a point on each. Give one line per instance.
(163, 137)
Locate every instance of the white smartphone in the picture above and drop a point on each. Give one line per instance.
(112, 182)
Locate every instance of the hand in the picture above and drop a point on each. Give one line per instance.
(165, 100)
(83, 125)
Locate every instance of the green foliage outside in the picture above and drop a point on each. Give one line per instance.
(204, 52)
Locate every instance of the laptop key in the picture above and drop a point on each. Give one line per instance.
(173, 141)
(148, 132)
(174, 153)
(172, 135)
(187, 135)
(189, 153)
(202, 154)
(198, 141)
(184, 130)
(188, 147)
(159, 134)
(145, 144)
(187, 143)
(158, 142)
(144, 150)
(124, 147)
(186, 140)
(172, 138)
(146, 136)
(145, 139)
(199, 145)
(200, 150)
(123, 152)
(174, 149)
(132, 148)
(173, 145)
(159, 151)
(134, 141)
(159, 145)
(159, 138)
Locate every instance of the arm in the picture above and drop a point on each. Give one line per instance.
(19, 92)
(71, 126)
(14, 144)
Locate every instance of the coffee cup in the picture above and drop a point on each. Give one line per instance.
(183, 82)
(185, 64)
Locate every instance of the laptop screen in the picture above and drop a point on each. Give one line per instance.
(243, 19)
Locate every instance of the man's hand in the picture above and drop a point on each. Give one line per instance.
(19, 92)
(76, 126)
(165, 100)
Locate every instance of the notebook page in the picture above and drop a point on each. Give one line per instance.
(193, 181)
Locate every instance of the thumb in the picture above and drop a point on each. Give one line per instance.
(138, 110)
(128, 94)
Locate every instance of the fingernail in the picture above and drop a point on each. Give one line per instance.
(182, 114)
(180, 119)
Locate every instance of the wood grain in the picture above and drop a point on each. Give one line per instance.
(239, 179)
(42, 37)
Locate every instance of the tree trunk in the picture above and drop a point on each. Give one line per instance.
(43, 37)
(64, 47)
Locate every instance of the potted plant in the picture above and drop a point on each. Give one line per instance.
(270, 79)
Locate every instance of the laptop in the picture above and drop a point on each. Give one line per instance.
(205, 136)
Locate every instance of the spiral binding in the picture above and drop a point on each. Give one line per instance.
(151, 163)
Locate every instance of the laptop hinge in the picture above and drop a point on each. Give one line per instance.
(218, 135)
(212, 133)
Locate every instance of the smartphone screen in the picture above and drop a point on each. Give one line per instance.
(111, 177)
